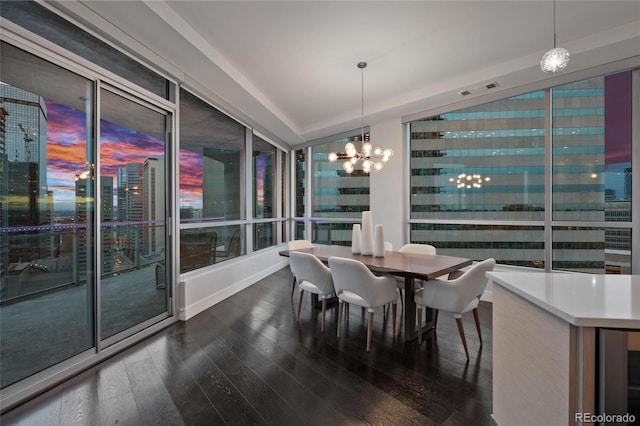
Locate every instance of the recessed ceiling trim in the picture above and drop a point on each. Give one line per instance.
(628, 63)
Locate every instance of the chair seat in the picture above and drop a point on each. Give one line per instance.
(312, 288)
(351, 297)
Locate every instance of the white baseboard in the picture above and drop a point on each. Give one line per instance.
(202, 290)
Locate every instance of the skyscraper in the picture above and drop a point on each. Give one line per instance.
(153, 184)
(130, 209)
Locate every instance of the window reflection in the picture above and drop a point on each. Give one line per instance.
(501, 142)
(211, 163)
(46, 199)
(132, 212)
(505, 140)
(264, 178)
(592, 149)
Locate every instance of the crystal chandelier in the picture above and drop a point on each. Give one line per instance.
(557, 58)
(371, 158)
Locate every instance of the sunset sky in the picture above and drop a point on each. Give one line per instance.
(66, 155)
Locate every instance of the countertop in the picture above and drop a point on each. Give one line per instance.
(584, 300)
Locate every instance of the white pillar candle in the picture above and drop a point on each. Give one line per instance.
(366, 241)
(355, 239)
(378, 247)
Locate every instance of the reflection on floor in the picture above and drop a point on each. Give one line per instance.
(39, 332)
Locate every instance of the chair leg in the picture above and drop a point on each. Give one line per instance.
(394, 309)
(340, 305)
(477, 318)
(324, 310)
(419, 315)
(401, 298)
(435, 319)
(293, 285)
(369, 330)
(300, 304)
(461, 331)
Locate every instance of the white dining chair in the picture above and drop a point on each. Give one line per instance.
(458, 296)
(312, 276)
(356, 284)
(416, 249)
(297, 245)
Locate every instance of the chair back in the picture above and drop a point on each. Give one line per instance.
(457, 294)
(233, 246)
(418, 249)
(354, 277)
(307, 267)
(477, 276)
(234, 243)
(299, 244)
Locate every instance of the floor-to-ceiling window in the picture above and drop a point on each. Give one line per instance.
(337, 198)
(212, 182)
(46, 244)
(480, 185)
(225, 195)
(591, 175)
(477, 181)
(84, 200)
(265, 162)
(132, 212)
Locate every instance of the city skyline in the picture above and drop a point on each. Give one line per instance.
(66, 156)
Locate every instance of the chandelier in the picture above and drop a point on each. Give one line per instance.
(557, 58)
(371, 158)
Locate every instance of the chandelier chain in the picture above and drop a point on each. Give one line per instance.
(362, 98)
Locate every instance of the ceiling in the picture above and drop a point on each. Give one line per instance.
(289, 68)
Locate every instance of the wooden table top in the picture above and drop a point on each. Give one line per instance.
(421, 266)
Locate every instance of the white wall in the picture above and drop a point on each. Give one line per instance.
(387, 198)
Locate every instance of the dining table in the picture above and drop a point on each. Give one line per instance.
(410, 266)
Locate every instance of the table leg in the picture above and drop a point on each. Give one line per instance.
(410, 321)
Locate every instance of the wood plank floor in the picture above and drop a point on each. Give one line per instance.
(247, 361)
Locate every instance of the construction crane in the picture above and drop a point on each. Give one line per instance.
(27, 141)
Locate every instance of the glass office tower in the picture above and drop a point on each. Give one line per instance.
(481, 187)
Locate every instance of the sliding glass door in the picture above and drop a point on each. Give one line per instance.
(47, 281)
(84, 235)
(133, 228)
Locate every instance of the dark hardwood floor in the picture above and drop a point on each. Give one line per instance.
(247, 361)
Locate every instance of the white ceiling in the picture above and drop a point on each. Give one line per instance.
(289, 67)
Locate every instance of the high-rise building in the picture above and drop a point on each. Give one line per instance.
(130, 209)
(82, 235)
(106, 216)
(478, 179)
(23, 170)
(153, 184)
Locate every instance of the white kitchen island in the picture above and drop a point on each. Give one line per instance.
(544, 342)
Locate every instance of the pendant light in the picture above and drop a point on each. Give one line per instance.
(556, 59)
(371, 158)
